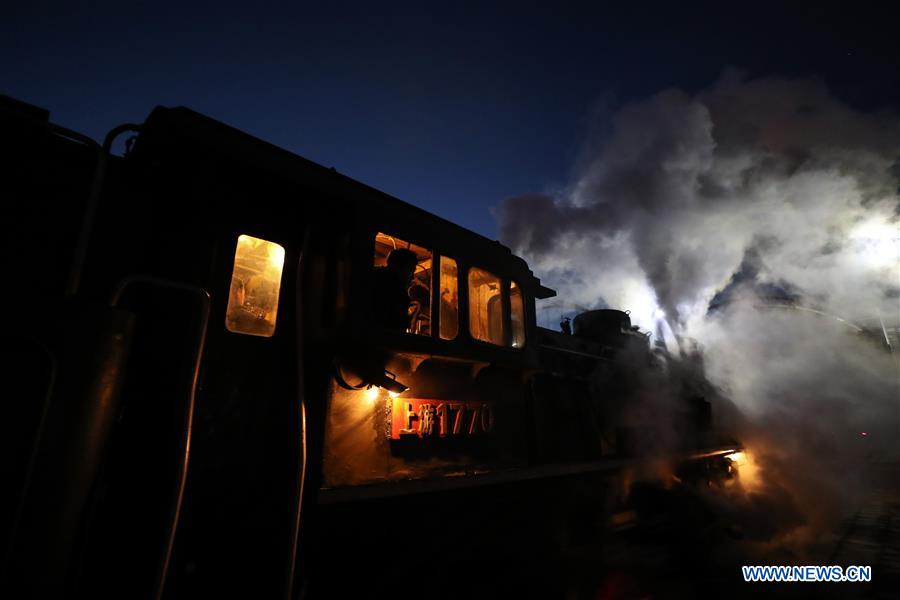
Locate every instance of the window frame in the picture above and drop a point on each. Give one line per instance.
(228, 321)
(436, 299)
(509, 283)
(392, 232)
(503, 308)
(506, 311)
(464, 267)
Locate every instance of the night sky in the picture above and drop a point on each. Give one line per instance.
(451, 109)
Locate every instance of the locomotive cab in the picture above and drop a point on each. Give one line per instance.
(252, 373)
(306, 394)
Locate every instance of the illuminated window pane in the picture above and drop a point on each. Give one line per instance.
(449, 299)
(485, 307)
(402, 294)
(255, 284)
(517, 315)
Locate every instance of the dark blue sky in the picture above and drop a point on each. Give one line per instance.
(452, 108)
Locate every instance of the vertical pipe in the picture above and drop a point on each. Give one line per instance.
(90, 209)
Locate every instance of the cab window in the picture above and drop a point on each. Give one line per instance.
(517, 315)
(255, 285)
(449, 317)
(486, 322)
(402, 291)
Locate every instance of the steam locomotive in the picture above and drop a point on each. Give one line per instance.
(207, 403)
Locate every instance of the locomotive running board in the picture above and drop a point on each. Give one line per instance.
(485, 478)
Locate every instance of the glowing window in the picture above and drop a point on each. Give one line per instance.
(486, 321)
(255, 285)
(449, 299)
(402, 294)
(517, 315)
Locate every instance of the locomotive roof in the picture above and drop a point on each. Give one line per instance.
(183, 123)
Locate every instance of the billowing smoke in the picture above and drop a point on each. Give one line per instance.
(820, 403)
(673, 194)
(716, 212)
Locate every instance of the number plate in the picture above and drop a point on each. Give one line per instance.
(417, 419)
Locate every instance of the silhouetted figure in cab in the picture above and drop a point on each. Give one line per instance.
(420, 317)
(392, 289)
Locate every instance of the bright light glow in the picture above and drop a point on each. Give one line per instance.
(877, 242)
(668, 336)
(747, 470)
(389, 383)
(737, 458)
(393, 394)
(372, 394)
(276, 257)
(639, 298)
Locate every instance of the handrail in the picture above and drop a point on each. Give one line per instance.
(197, 356)
(301, 484)
(87, 223)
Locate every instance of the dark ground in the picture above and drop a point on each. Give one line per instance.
(668, 544)
(686, 553)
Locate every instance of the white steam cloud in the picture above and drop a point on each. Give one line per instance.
(671, 197)
(700, 208)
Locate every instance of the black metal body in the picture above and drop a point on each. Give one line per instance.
(159, 454)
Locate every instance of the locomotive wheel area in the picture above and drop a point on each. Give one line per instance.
(550, 541)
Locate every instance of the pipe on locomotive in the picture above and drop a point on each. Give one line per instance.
(90, 209)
